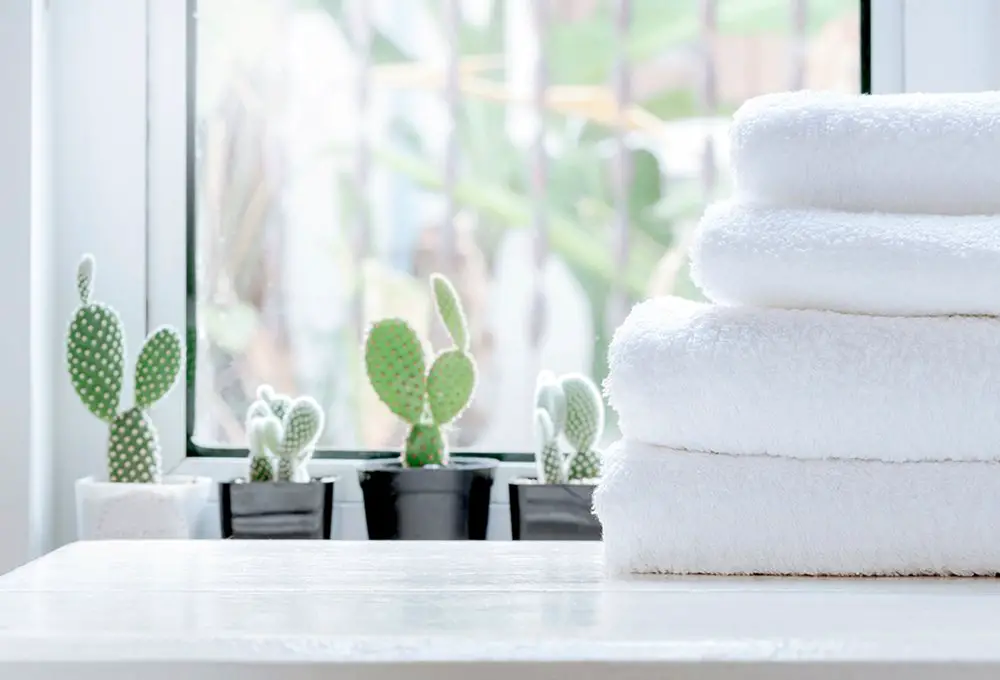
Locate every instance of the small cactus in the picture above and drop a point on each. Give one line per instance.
(570, 406)
(426, 398)
(281, 436)
(95, 354)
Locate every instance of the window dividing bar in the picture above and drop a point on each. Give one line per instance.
(452, 18)
(798, 44)
(539, 172)
(708, 98)
(361, 31)
(621, 166)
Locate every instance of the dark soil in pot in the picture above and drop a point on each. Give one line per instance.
(552, 512)
(430, 503)
(277, 510)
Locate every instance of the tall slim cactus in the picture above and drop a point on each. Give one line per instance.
(281, 435)
(569, 407)
(427, 399)
(95, 352)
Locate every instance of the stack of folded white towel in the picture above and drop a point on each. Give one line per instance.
(836, 410)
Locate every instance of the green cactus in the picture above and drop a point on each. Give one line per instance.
(281, 436)
(95, 354)
(570, 406)
(427, 399)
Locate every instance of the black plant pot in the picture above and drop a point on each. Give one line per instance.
(552, 512)
(277, 510)
(450, 503)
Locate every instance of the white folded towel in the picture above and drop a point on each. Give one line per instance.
(868, 263)
(922, 153)
(681, 512)
(807, 384)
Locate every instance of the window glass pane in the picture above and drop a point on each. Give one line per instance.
(552, 157)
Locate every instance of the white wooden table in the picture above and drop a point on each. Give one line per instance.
(203, 610)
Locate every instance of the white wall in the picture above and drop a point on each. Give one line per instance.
(25, 279)
(99, 136)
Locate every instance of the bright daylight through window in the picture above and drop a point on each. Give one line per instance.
(551, 157)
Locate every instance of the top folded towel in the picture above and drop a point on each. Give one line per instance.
(912, 153)
(864, 263)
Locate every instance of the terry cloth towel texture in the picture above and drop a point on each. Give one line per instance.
(807, 384)
(865, 263)
(837, 412)
(669, 511)
(919, 153)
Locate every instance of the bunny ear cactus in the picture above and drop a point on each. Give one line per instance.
(300, 429)
(281, 436)
(95, 352)
(428, 399)
(584, 425)
(571, 406)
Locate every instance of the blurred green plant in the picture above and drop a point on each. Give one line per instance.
(582, 120)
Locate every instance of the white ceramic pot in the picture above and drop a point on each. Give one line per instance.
(114, 511)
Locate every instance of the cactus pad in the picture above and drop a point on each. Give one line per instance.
(394, 361)
(289, 470)
(450, 384)
(550, 397)
(425, 446)
(96, 354)
(584, 465)
(277, 404)
(261, 469)
(85, 279)
(301, 428)
(548, 458)
(133, 449)
(158, 366)
(450, 310)
(584, 412)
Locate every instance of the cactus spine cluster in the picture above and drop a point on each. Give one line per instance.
(427, 399)
(281, 434)
(569, 408)
(95, 353)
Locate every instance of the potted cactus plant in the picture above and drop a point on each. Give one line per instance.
(556, 504)
(278, 499)
(135, 499)
(425, 494)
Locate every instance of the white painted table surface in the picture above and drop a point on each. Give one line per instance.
(202, 610)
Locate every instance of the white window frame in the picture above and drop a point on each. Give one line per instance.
(133, 56)
(26, 246)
